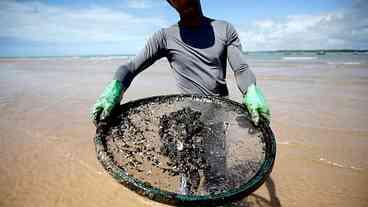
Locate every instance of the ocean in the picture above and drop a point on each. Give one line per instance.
(344, 58)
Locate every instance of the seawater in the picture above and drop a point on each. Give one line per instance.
(346, 58)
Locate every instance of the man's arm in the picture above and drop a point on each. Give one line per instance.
(154, 49)
(252, 95)
(243, 75)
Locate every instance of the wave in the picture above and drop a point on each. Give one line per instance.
(299, 58)
(343, 63)
(335, 164)
(108, 57)
(97, 57)
(351, 63)
(282, 143)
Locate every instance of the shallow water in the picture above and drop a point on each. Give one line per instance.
(46, 141)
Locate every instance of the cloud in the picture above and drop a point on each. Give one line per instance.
(346, 28)
(264, 24)
(139, 4)
(38, 26)
(40, 22)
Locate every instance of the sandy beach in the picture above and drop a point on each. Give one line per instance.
(48, 158)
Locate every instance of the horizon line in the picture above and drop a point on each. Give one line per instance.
(246, 51)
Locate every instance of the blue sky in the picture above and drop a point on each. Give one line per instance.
(81, 27)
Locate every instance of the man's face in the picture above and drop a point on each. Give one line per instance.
(185, 6)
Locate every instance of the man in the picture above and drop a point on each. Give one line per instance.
(197, 49)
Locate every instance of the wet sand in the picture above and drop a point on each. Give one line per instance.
(46, 142)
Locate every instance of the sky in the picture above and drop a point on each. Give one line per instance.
(100, 27)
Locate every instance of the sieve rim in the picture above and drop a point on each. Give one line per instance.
(157, 194)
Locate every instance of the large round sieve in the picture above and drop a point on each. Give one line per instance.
(186, 149)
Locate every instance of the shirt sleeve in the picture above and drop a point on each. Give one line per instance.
(154, 49)
(243, 75)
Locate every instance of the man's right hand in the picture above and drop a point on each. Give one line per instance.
(107, 101)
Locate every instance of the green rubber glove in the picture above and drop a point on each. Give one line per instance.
(107, 101)
(256, 104)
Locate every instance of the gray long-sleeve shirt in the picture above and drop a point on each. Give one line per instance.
(197, 56)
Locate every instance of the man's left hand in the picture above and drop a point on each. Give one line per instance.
(256, 104)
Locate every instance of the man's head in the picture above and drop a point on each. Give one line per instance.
(186, 7)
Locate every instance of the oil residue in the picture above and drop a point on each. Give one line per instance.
(187, 146)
